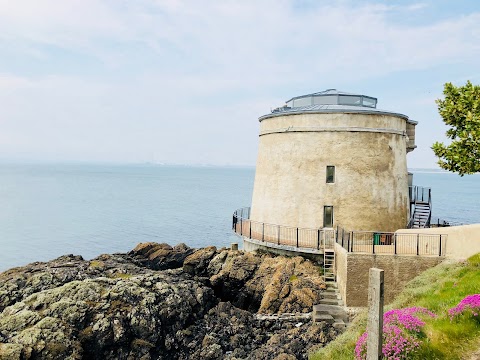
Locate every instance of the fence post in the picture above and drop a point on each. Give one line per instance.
(418, 243)
(373, 245)
(376, 300)
(318, 239)
(250, 226)
(351, 245)
(263, 231)
(395, 243)
(278, 227)
(440, 247)
(241, 226)
(297, 237)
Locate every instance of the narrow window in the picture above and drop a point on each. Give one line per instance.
(330, 174)
(328, 216)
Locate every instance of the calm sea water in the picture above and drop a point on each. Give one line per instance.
(50, 210)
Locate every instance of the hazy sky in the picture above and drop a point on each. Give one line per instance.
(185, 81)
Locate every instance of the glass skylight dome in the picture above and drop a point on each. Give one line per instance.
(332, 97)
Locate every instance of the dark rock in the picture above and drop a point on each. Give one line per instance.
(161, 256)
(120, 307)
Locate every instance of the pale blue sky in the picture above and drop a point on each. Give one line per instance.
(185, 81)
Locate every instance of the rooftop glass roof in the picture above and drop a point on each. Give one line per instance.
(332, 97)
(331, 101)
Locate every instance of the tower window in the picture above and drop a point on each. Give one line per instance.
(330, 174)
(328, 216)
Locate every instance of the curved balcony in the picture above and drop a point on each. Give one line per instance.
(279, 236)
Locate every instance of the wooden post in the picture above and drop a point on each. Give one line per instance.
(263, 231)
(318, 239)
(278, 234)
(297, 237)
(375, 314)
(250, 223)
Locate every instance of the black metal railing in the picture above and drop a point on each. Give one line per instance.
(281, 235)
(353, 241)
(419, 197)
(392, 242)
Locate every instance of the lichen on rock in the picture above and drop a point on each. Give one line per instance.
(160, 302)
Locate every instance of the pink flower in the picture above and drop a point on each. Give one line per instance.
(469, 303)
(400, 330)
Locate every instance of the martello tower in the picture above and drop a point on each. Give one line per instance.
(332, 158)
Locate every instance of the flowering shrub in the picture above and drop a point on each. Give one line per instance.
(470, 303)
(400, 330)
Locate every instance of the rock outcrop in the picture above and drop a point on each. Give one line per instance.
(160, 302)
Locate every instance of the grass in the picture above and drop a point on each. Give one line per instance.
(437, 289)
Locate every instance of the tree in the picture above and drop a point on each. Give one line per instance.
(460, 109)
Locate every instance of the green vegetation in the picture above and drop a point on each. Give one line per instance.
(121, 276)
(293, 278)
(437, 289)
(96, 264)
(460, 110)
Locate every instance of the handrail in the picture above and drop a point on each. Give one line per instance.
(420, 194)
(298, 237)
(372, 242)
(395, 243)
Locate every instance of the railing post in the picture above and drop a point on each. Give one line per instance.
(373, 245)
(318, 239)
(250, 226)
(278, 240)
(440, 247)
(263, 231)
(395, 243)
(348, 244)
(418, 243)
(351, 246)
(241, 226)
(297, 237)
(350, 237)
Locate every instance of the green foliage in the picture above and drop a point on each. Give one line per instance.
(437, 289)
(461, 111)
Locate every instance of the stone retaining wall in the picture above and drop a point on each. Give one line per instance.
(352, 273)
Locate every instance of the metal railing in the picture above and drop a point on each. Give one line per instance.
(281, 235)
(369, 242)
(419, 195)
(392, 243)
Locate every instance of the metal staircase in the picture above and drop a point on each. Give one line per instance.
(420, 207)
(329, 265)
(421, 216)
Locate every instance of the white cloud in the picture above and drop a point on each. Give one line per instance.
(201, 57)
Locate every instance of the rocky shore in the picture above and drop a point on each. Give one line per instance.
(162, 302)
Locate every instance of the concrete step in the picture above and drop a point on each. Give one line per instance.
(330, 295)
(323, 317)
(335, 310)
(331, 302)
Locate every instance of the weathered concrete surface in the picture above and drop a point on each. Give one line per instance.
(461, 241)
(371, 182)
(352, 273)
